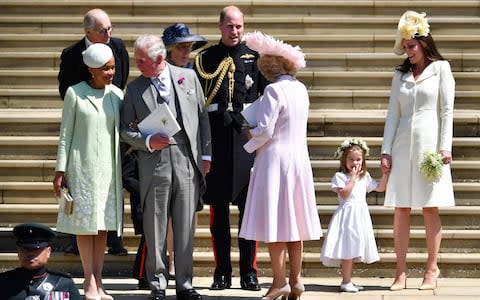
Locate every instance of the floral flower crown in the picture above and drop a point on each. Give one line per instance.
(411, 25)
(267, 45)
(347, 144)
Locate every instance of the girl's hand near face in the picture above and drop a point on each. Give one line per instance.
(356, 172)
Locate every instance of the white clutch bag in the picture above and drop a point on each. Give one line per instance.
(66, 201)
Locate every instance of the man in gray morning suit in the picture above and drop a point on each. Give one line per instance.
(171, 169)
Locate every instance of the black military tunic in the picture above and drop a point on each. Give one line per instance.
(40, 284)
(231, 164)
(230, 169)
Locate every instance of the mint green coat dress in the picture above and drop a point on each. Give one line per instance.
(89, 154)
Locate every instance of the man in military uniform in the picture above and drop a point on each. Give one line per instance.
(32, 281)
(230, 79)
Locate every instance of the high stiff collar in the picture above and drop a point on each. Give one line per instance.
(34, 274)
(229, 49)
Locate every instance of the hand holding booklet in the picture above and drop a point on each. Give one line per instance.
(161, 120)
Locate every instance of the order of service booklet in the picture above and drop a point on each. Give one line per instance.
(250, 112)
(161, 120)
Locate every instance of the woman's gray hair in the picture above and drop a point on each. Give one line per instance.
(153, 44)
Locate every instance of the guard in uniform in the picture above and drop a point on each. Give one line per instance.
(230, 79)
(32, 281)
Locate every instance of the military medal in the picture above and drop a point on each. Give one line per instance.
(229, 106)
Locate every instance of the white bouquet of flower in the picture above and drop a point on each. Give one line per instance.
(431, 166)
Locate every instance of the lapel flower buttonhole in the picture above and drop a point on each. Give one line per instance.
(181, 80)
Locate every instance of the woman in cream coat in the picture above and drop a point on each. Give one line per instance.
(88, 162)
(419, 119)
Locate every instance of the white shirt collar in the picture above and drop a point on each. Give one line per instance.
(88, 43)
(165, 76)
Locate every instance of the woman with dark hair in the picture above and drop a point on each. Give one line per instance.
(89, 163)
(419, 124)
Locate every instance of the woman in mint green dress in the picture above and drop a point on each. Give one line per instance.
(88, 162)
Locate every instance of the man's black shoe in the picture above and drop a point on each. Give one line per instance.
(221, 282)
(250, 283)
(189, 294)
(120, 251)
(143, 284)
(158, 295)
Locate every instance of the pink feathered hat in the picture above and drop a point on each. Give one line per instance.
(267, 45)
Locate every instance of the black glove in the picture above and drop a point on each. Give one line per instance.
(239, 122)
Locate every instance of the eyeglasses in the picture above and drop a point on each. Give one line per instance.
(104, 31)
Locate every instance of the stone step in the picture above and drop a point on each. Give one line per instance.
(48, 98)
(454, 241)
(460, 62)
(312, 78)
(257, 8)
(45, 147)
(374, 99)
(452, 265)
(322, 122)
(15, 172)
(458, 217)
(329, 43)
(36, 98)
(467, 191)
(289, 23)
(31, 170)
(355, 122)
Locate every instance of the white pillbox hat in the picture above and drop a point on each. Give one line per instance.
(97, 55)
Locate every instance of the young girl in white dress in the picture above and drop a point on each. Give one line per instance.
(350, 235)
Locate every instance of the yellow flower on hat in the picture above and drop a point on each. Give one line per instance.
(413, 24)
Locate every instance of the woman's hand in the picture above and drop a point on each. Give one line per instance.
(446, 156)
(58, 182)
(386, 163)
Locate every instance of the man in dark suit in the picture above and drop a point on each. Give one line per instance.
(230, 77)
(171, 167)
(98, 29)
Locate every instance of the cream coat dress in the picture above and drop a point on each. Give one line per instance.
(419, 119)
(88, 152)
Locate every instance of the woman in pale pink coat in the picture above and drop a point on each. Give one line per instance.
(281, 208)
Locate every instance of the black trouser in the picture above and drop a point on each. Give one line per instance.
(221, 240)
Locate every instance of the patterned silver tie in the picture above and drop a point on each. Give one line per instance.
(161, 88)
